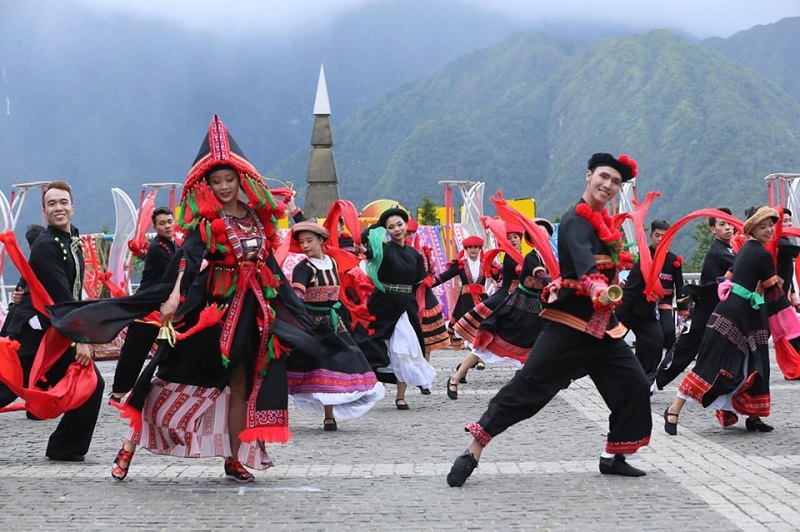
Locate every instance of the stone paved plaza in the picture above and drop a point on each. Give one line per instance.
(387, 471)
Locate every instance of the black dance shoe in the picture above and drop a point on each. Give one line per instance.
(757, 426)
(669, 427)
(401, 404)
(462, 468)
(452, 390)
(424, 391)
(329, 424)
(618, 466)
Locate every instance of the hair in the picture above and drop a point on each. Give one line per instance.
(750, 211)
(218, 167)
(659, 225)
(57, 185)
(712, 220)
(787, 211)
(33, 232)
(160, 211)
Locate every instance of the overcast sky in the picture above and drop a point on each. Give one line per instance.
(702, 18)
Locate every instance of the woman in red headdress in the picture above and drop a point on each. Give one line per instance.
(468, 269)
(467, 327)
(509, 332)
(220, 388)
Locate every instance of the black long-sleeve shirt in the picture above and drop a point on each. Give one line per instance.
(53, 261)
(159, 255)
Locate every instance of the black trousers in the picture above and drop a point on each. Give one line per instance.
(649, 345)
(138, 342)
(562, 354)
(74, 432)
(684, 351)
(667, 321)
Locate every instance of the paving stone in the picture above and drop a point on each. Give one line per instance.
(387, 470)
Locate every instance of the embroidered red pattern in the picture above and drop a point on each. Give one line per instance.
(480, 435)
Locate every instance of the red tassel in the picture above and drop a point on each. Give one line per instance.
(209, 317)
(126, 411)
(266, 434)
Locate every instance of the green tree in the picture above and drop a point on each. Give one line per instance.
(426, 212)
(704, 238)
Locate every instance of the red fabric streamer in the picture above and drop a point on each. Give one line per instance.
(536, 233)
(355, 287)
(638, 218)
(498, 229)
(138, 243)
(346, 211)
(77, 384)
(653, 281)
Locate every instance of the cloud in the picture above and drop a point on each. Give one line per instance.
(702, 18)
(280, 17)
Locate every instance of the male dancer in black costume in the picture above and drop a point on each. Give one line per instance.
(716, 264)
(580, 335)
(140, 336)
(671, 277)
(57, 261)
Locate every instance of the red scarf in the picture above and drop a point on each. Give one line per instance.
(608, 233)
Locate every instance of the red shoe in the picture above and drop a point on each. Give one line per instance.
(234, 470)
(121, 464)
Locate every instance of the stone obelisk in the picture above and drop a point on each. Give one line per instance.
(323, 182)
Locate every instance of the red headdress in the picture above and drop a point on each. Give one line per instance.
(472, 241)
(412, 225)
(197, 200)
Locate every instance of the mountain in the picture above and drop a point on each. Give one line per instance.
(102, 99)
(526, 114)
(769, 49)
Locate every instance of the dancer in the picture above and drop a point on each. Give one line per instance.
(671, 277)
(221, 387)
(468, 269)
(393, 344)
(787, 253)
(642, 317)
(56, 260)
(732, 370)
(338, 381)
(140, 336)
(580, 334)
(716, 263)
(467, 326)
(509, 332)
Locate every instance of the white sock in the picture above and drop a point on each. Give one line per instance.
(606, 455)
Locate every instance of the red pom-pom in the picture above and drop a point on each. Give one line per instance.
(218, 226)
(625, 159)
(678, 261)
(229, 260)
(208, 213)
